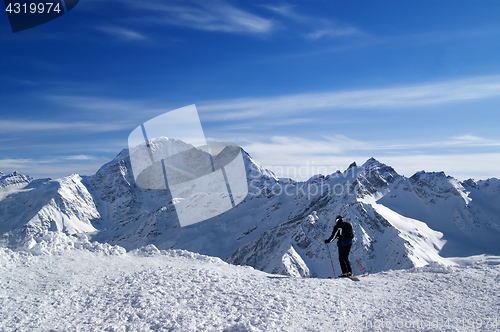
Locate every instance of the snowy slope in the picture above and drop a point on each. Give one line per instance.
(467, 218)
(279, 228)
(59, 283)
(63, 205)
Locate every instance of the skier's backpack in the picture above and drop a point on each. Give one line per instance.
(348, 233)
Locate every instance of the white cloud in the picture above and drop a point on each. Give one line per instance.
(479, 166)
(339, 144)
(96, 103)
(288, 12)
(122, 33)
(25, 126)
(333, 32)
(386, 98)
(297, 146)
(123, 111)
(461, 166)
(204, 15)
(50, 167)
(79, 157)
(14, 164)
(320, 27)
(471, 140)
(465, 141)
(302, 158)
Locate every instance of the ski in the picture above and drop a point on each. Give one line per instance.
(353, 278)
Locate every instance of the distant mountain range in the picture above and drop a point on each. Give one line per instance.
(279, 227)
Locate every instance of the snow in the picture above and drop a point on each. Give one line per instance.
(272, 225)
(63, 205)
(64, 283)
(279, 227)
(53, 278)
(466, 213)
(425, 243)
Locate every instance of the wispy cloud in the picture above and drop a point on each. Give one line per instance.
(479, 166)
(318, 27)
(287, 145)
(122, 33)
(340, 144)
(17, 80)
(462, 142)
(386, 98)
(333, 32)
(50, 167)
(17, 126)
(79, 157)
(203, 15)
(471, 141)
(301, 158)
(288, 12)
(114, 108)
(96, 103)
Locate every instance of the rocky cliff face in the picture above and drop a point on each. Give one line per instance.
(280, 226)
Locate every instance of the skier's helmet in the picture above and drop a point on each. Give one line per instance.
(339, 218)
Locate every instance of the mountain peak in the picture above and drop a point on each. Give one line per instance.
(374, 166)
(427, 176)
(469, 183)
(254, 170)
(14, 178)
(372, 162)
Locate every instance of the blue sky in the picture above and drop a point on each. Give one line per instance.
(304, 86)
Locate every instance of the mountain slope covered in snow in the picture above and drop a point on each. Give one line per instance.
(280, 226)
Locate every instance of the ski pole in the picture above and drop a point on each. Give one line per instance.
(331, 261)
(366, 272)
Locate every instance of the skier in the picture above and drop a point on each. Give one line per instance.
(343, 232)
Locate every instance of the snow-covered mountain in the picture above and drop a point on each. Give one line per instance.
(280, 226)
(30, 207)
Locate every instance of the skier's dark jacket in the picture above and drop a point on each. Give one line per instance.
(345, 233)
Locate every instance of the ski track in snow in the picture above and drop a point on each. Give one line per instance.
(151, 290)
